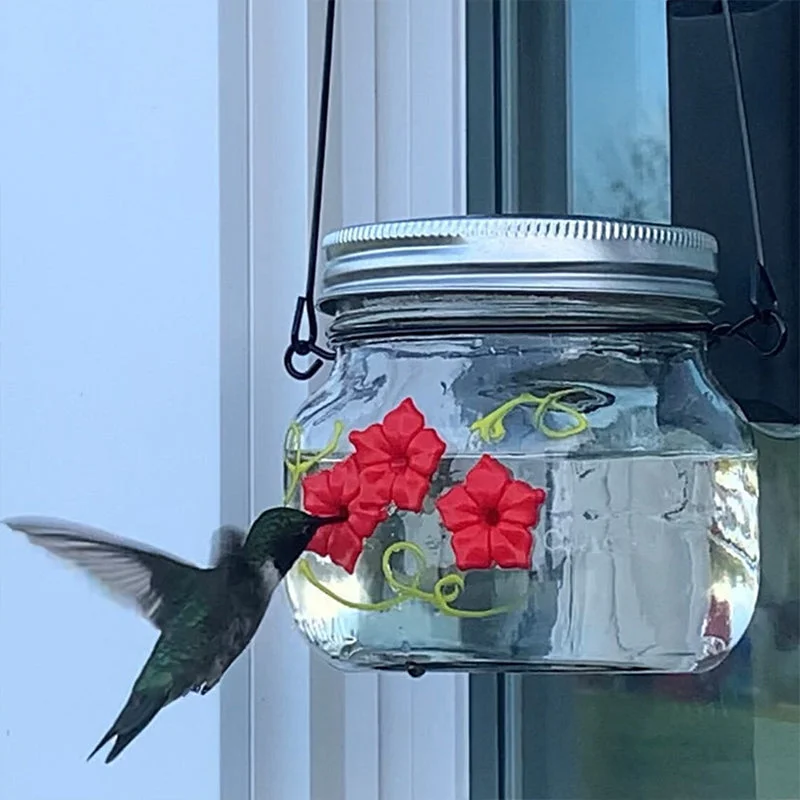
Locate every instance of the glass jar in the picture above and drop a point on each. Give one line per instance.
(538, 470)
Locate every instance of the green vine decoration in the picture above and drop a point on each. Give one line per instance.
(490, 428)
(445, 591)
(299, 467)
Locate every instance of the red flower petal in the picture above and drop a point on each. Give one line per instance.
(490, 515)
(520, 504)
(328, 492)
(511, 545)
(371, 446)
(487, 481)
(343, 481)
(402, 424)
(319, 542)
(408, 490)
(376, 485)
(344, 547)
(363, 520)
(397, 457)
(425, 451)
(471, 547)
(457, 509)
(317, 496)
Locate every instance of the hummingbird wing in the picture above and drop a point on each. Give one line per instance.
(153, 582)
(227, 540)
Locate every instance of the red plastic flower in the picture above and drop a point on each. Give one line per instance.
(490, 516)
(397, 457)
(337, 491)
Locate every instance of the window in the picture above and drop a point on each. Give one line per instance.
(585, 115)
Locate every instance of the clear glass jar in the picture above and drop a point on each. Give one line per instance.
(545, 479)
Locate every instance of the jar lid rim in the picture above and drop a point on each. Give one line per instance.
(566, 255)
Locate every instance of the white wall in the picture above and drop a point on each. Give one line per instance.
(109, 371)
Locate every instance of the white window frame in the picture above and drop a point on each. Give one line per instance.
(292, 727)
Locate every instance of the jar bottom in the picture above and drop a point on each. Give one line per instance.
(438, 660)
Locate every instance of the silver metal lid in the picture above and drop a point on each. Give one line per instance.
(561, 257)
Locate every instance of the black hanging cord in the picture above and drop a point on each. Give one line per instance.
(763, 297)
(298, 346)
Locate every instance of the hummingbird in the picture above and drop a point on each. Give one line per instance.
(206, 616)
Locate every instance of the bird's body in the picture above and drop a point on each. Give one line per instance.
(206, 616)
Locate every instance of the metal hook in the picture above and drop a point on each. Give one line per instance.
(767, 317)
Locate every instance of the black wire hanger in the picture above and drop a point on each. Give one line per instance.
(763, 297)
(299, 346)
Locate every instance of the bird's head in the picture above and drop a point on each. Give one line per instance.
(281, 534)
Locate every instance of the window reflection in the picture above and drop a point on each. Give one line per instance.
(619, 142)
(730, 733)
(733, 732)
(589, 134)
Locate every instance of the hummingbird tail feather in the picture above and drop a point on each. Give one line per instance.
(103, 742)
(133, 719)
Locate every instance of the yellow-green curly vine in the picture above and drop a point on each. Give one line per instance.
(300, 466)
(490, 428)
(445, 591)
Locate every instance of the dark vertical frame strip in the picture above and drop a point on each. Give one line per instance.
(498, 95)
(542, 100)
(483, 197)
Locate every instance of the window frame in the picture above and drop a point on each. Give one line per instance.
(293, 728)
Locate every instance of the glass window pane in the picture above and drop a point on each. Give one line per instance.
(618, 128)
(569, 113)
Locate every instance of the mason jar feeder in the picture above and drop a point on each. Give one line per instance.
(537, 469)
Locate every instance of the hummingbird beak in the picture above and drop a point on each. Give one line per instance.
(319, 522)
